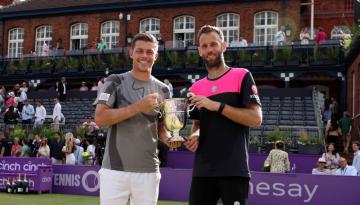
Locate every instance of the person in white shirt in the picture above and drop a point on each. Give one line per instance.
(243, 42)
(24, 87)
(40, 113)
(78, 152)
(280, 36)
(321, 170)
(27, 112)
(345, 169)
(83, 86)
(235, 42)
(91, 150)
(45, 49)
(304, 36)
(167, 82)
(356, 159)
(57, 115)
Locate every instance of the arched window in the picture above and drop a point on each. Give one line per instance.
(79, 36)
(339, 32)
(43, 35)
(229, 24)
(110, 33)
(150, 25)
(16, 42)
(265, 27)
(184, 31)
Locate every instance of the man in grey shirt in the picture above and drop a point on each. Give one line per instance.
(126, 104)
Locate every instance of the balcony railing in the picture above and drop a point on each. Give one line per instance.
(176, 59)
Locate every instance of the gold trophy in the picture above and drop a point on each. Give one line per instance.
(175, 112)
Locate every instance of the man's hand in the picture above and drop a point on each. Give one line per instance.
(192, 142)
(204, 102)
(148, 103)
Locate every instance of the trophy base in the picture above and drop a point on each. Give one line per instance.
(176, 142)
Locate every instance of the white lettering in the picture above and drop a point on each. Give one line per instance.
(72, 180)
(310, 194)
(294, 190)
(263, 186)
(279, 187)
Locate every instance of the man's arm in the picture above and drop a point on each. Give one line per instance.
(192, 142)
(164, 135)
(105, 115)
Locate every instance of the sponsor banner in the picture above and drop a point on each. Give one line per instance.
(274, 189)
(76, 179)
(23, 165)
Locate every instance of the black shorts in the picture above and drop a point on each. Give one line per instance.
(208, 190)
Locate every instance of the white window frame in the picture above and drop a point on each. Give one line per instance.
(112, 37)
(17, 41)
(339, 32)
(83, 27)
(267, 27)
(234, 29)
(147, 26)
(47, 37)
(184, 21)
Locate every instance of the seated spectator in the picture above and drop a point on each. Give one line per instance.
(16, 148)
(83, 86)
(44, 150)
(345, 169)
(69, 149)
(278, 159)
(321, 170)
(94, 87)
(356, 159)
(90, 125)
(5, 145)
(25, 149)
(78, 152)
(331, 157)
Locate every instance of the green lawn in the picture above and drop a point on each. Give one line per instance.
(57, 199)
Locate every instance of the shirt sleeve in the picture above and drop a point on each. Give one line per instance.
(107, 94)
(249, 92)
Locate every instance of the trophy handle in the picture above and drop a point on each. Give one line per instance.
(190, 109)
(158, 112)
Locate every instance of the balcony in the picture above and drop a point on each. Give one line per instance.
(175, 61)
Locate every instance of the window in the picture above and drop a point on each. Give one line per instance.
(184, 31)
(265, 28)
(349, 5)
(43, 35)
(110, 33)
(79, 36)
(16, 42)
(150, 25)
(339, 32)
(229, 24)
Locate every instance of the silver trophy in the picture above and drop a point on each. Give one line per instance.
(175, 112)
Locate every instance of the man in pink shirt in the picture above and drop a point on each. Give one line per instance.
(320, 36)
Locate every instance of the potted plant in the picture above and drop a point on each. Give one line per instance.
(18, 132)
(258, 58)
(254, 143)
(244, 58)
(309, 145)
(192, 59)
(276, 135)
(72, 64)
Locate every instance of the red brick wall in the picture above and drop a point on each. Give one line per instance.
(354, 70)
(203, 15)
(5, 2)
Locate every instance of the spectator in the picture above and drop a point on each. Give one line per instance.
(5, 145)
(16, 148)
(57, 114)
(356, 159)
(44, 150)
(94, 87)
(25, 149)
(320, 36)
(280, 36)
(90, 125)
(243, 42)
(11, 116)
(171, 88)
(91, 151)
(24, 87)
(304, 36)
(160, 40)
(334, 107)
(78, 152)
(22, 98)
(84, 87)
(101, 45)
(11, 100)
(61, 89)
(332, 132)
(45, 49)
(235, 42)
(35, 145)
(327, 115)
(40, 113)
(345, 169)
(27, 112)
(321, 169)
(345, 126)
(56, 146)
(69, 149)
(278, 159)
(331, 157)
(100, 83)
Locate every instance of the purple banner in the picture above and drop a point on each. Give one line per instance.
(274, 189)
(304, 163)
(26, 165)
(76, 179)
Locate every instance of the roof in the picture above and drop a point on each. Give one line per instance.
(49, 7)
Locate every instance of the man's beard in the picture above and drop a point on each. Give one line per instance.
(213, 64)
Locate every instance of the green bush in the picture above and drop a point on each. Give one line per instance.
(18, 133)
